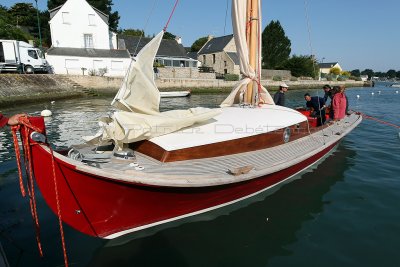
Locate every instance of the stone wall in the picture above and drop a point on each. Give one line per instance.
(17, 88)
(183, 73)
(269, 74)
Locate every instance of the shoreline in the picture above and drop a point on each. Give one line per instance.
(18, 89)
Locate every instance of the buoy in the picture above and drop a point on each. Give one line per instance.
(372, 93)
(358, 96)
(46, 113)
(379, 92)
(397, 92)
(52, 102)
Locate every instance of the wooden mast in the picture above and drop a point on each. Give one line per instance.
(252, 42)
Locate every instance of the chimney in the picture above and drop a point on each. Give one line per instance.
(178, 39)
(209, 37)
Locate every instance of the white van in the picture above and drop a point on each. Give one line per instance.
(19, 56)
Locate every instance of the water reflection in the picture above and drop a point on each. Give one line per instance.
(249, 236)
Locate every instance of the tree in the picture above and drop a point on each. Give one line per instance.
(398, 74)
(345, 73)
(132, 32)
(368, 72)
(198, 44)
(355, 73)
(391, 74)
(169, 36)
(276, 46)
(104, 6)
(10, 31)
(301, 66)
(335, 71)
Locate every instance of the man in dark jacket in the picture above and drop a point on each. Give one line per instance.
(13, 120)
(317, 105)
(279, 97)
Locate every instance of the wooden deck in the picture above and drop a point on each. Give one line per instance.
(215, 171)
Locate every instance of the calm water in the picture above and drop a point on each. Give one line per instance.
(343, 212)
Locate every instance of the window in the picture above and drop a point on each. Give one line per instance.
(65, 17)
(117, 65)
(225, 64)
(204, 59)
(167, 62)
(32, 54)
(176, 63)
(213, 58)
(72, 64)
(92, 20)
(88, 39)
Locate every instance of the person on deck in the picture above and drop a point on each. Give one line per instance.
(339, 104)
(279, 97)
(13, 120)
(317, 106)
(328, 92)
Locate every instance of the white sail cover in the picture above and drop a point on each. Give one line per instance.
(139, 92)
(239, 10)
(138, 102)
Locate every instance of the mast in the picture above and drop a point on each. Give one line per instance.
(252, 42)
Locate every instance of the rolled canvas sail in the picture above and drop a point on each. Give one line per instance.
(139, 92)
(138, 102)
(239, 10)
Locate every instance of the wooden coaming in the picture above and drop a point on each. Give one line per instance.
(241, 145)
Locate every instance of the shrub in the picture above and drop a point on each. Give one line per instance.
(102, 71)
(231, 77)
(341, 78)
(277, 78)
(92, 72)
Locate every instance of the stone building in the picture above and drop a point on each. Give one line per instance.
(219, 54)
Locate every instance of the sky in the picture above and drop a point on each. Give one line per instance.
(358, 34)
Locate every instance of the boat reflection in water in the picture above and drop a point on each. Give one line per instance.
(250, 235)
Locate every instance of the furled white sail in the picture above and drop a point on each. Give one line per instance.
(138, 102)
(239, 10)
(139, 92)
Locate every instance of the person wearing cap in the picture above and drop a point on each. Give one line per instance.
(279, 97)
(13, 120)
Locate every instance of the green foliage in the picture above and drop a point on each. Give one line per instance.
(301, 66)
(335, 71)
(391, 74)
(169, 36)
(346, 73)
(104, 6)
(277, 78)
(231, 77)
(132, 32)
(368, 72)
(356, 73)
(398, 74)
(294, 79)
(276, 46)
(10, 31)
(198, 44)
(341, 78)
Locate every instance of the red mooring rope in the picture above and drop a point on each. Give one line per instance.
(378, 120)
(27, 128)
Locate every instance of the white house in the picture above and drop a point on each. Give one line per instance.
(326, 67)
(83, 43)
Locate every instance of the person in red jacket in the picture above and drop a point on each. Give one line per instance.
(339, 103)
(13, 120)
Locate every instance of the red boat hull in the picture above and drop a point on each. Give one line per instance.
(102, 207)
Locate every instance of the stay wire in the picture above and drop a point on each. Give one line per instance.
(146, 24)
(313, 60)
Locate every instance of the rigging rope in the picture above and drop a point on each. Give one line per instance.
(145, 25)
(313, 60)
(170, 16)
